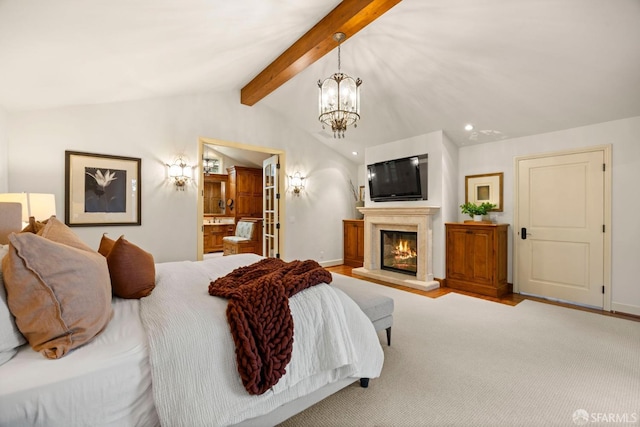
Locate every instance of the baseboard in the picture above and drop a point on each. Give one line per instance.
(616, 307)
(331, 263)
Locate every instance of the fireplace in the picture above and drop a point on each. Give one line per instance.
(414, 220)
(399, 251)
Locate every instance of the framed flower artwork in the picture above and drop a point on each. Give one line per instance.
(101, 190)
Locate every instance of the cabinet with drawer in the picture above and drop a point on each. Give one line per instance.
(213, 234)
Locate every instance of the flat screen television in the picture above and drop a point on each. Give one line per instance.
(399, 179)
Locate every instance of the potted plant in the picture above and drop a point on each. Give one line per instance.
(476, 211)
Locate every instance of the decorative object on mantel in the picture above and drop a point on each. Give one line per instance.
(477, 211)
(486, 188)
(339, 100)
(359, 202)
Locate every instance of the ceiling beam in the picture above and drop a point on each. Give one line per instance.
(349, 17)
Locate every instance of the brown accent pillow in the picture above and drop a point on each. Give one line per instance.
(132, 270)
(57, 231)
(60, 295)
(106, 244)
(34, 226)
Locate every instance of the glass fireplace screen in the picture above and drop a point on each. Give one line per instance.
(399, 251)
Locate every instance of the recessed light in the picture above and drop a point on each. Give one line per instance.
(355, 153)
(468, 127)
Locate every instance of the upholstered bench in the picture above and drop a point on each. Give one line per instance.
(377, 307)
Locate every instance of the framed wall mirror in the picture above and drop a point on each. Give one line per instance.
(215, 190)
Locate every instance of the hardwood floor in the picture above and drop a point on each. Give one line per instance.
(510, 299)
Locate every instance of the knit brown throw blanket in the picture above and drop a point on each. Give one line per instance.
(259, 317)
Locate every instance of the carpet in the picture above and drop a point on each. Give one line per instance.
(462, 361)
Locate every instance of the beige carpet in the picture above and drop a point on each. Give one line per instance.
(463, 361)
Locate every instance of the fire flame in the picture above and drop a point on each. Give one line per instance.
(403, 251)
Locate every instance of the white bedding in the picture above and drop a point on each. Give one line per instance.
(193, 355)
(108, 381)
(72, 391)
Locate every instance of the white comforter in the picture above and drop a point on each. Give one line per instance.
(192, 354)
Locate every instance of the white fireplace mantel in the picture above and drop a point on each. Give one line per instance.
(418, 219)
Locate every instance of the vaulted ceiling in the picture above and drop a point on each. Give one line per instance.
(511, 68)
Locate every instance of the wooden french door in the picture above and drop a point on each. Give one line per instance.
(560, 239)
(270, 207)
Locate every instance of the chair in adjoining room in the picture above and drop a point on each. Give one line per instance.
(246, 239)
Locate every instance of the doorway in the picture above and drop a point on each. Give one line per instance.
(562, 247)
(249, 152)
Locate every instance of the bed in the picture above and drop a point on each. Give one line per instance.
(169, 359)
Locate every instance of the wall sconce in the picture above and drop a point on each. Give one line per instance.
(38, 205)
(180, 172)
(296, 181)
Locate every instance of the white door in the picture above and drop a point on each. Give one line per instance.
(270, 207)
(561, 235)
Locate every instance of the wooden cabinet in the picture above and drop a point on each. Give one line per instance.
(477, 258)
(353, 242)
(245, 189)
(213, 234)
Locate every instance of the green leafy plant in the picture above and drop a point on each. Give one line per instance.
(472, 209)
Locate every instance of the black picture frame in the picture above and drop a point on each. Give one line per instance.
(102, 189)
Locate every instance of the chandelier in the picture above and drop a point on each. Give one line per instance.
(210, 166)
(339, 101)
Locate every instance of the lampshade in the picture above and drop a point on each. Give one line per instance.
(41, 206)
(38, 205)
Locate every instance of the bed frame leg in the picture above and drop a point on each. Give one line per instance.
(389, 336)
(364, 382)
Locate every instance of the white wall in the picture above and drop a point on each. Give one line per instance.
(442, 178)
(450, 202)
(157, 131)
(4, 153)
(623, 136)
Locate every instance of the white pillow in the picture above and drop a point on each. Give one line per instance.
(10, 336)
